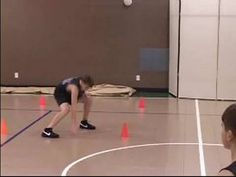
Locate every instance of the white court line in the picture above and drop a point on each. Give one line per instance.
(65, 171)
(207, 144)
(199, 133)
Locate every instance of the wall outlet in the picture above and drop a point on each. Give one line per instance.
(138, 78)
(16, 75)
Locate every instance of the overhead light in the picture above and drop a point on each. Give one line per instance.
(128, 2)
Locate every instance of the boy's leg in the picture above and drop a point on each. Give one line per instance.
(87, 106)
(65, 109)
(87, 100)
(48, 132)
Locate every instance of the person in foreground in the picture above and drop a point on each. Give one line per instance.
(67, 94)
(229, 138)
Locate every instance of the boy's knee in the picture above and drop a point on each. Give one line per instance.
(65, 109)
(88, 99)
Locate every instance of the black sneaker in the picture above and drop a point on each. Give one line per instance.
(48, 133)
(86, 125)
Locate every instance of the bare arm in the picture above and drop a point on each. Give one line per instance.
(74, 96)
(225, 173)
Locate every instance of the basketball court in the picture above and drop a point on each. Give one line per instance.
(164, 138)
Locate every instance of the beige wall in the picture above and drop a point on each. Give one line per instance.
(198, 49)
(174, 44)
(207, 50)
(227, 51)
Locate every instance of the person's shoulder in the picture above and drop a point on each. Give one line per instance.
(76, 80)
(225, 173)
(73, 89)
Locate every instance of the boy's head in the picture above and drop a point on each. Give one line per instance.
(86, 82)
(229, 126)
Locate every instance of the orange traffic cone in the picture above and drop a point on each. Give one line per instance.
(125, 131)
(4, 129)
(142, 103)
(42, 102)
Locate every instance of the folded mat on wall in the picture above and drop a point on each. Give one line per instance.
(103, 90)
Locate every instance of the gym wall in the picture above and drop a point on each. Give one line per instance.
(204, 67)
(227, 54)
(174, 46)
(49, 40)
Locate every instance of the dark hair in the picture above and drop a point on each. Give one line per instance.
(88, 80)
(229, 118)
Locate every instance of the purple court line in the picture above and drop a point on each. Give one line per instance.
(21, 131)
